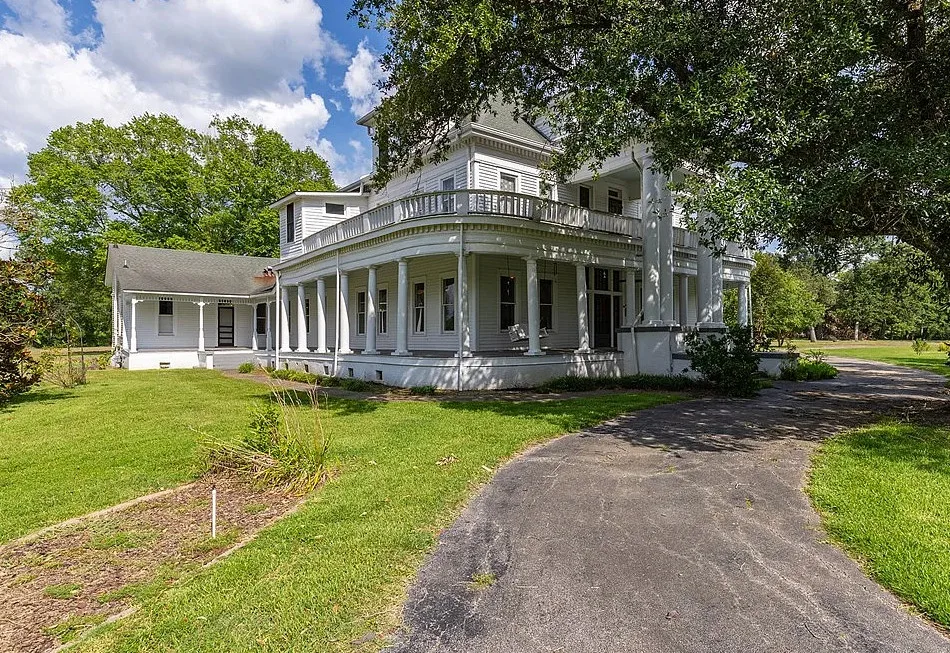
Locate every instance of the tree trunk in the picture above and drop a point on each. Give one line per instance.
(811, 334)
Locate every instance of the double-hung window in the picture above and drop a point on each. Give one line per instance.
(291, 232)
(166, 317)
(583, 197)
(382, 311)
(546, 297)
(447, 200)
(506, 306)
(419, 308)
(448, 304)
(361, 313)
(615, 201)
(260, 315)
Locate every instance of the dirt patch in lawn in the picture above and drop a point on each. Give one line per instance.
(67, 580)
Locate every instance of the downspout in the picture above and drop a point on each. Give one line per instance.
(277, 312)
(336, 339)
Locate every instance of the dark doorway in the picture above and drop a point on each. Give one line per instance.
(225, 326)
(603, 323)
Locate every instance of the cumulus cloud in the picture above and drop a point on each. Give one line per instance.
(360, 81)
(189, 58)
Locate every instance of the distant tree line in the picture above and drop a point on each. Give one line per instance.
(881, 290)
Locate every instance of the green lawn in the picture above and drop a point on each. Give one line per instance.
(320, 578)
(884, 495)
(896, 352)
(67, 452)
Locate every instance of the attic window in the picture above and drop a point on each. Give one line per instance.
(335, 209)
(291, 236)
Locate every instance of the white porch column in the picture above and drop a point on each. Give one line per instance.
(402, 310)
(268, 332)
(471, 299)
(284, 331)
(630, 295)
(321, 315)
(704, 309)
(743, 303)
(371, 311)
(301, 318)
(461, 307)
(201, 326)
(254, 345)
(534, 309)
(651, 205)
(133, 340)
(717, 290)
(666, 253)
(684, 299)
(583, 326)
(343, 313)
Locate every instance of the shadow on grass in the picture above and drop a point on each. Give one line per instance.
(41, 395)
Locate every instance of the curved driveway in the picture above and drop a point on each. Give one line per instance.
(680, 528)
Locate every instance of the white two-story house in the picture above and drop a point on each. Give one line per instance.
(470, 273)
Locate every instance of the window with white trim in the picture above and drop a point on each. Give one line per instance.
(447, 201)
(584, 196)
(382, 310)
(291, 235)
(334, 209)
(508, 182)
(419, 307)
(361, 313)
(546, 300)
(166, 317)
(260, 314)
(615, 201)
(506, 299)
(448, 304)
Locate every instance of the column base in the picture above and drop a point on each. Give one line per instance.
(345, 351)
(535, 353)
(405, 352)
(583, 350)
(303, 350)
(370, 352)
(321, 350)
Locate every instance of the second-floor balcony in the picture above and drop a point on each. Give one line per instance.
(493, 203)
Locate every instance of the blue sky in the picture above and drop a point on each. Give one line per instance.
(298, 66)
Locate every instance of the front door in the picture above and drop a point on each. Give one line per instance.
(225, 326)
(603, 324)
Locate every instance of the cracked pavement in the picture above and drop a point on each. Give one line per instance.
(679, 528)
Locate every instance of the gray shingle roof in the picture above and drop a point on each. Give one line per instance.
(184, 271)
(504, 121)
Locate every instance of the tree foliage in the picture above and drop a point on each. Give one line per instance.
(783, 304)
(24, 312)
(155, 182)
(810, 122)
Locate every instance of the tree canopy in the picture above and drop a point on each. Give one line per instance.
(810, 122)
(154, 182)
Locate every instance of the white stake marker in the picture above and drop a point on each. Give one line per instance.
(214, 512)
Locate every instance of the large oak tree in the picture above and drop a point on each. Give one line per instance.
(811, 122)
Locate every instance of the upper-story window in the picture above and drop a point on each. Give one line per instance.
(508, 183)
(583, 196)
(291, 235)
(448, 200)
(335, 209)
(615, 200)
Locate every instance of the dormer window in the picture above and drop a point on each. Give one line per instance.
(291, 235)
(335, 209)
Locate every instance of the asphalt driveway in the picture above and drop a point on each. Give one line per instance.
(680, 528)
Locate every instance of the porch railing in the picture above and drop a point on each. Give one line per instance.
(491, 203)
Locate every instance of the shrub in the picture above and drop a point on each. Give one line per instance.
(422, 390)
(356, 385)
(809, 370)
(728, 362)
(353, 385)
(815, 356)
(920, 346)
(246, 367)
(66, 370)
(285, 446)
(572, 383)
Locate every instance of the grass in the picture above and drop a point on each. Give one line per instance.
(482, 581)
(884, 496)
(68, 630)
(337, 568)
(64, 591)
(64, 453)
(895, 352)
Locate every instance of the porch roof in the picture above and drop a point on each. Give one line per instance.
(182, 271)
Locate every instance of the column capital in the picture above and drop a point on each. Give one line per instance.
(374, 266)
(530, 259)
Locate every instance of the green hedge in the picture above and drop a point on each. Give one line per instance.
(353, 385)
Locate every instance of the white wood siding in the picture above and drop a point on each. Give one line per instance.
(427, 180)
(185, 326)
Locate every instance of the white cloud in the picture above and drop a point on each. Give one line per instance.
(360, 81)
(189, 58)
(347, 167)
(234, 49)
(42, 19)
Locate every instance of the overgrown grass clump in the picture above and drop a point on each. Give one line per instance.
(323, 381)
(809, 371)
(285, 446)
(674, 383)
(246, 367)
(884, 496)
